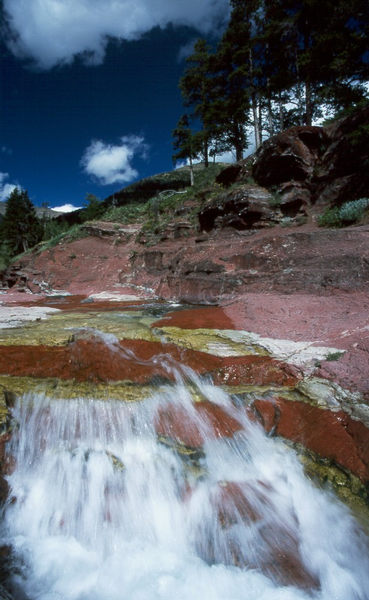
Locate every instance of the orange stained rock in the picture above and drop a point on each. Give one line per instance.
(207, 421)
(333, 435)
(275, 545)
(91, 359)
(255, 370)
(209, 317)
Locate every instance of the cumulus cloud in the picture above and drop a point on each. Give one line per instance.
(5, 187)
(66, 208)
(110, 163)
(54, 31)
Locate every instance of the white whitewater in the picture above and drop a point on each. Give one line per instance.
(104, 511)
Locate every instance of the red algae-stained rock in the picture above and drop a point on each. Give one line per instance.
(274, 541)
(139, 361)
(255, 370)
(191, 429)
(333, 435)
(92, 360)
(209, 317)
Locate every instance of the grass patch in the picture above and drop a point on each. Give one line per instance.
(129, 213)
(73, 233)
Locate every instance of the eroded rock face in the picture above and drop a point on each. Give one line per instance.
(289, 156)
(244, 208)
(321, 166)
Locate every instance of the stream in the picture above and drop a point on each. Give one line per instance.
(105, 505)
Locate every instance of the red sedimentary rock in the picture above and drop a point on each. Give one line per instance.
(333, 435)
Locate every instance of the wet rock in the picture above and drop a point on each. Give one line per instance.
(207, 421)
(272, 546)
(331, 435)
(197, 318)
(254, 370)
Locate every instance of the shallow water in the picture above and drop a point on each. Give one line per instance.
(104, 510)
(107, 504)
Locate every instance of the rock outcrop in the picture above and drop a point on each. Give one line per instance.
(305, 168)
(316, 165)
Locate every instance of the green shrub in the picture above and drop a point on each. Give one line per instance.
(330, 218)
(351, 212)
(348, 213)
(334, 355)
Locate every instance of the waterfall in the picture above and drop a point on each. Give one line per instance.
(105, 506)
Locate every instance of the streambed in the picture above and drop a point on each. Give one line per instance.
(134, 476)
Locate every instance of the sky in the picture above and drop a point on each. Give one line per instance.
(89, 91)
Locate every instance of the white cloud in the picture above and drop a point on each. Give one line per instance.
(112, 164)
(54, 31)
(66, 208)
(5, 188)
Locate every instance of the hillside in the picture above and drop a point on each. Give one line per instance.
(255, 225)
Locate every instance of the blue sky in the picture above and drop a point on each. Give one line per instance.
(89, 91)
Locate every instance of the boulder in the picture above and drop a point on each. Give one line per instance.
(246, 207)
(315, 165)
(240, 171)
(289, 155)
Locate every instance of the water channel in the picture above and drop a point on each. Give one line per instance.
(107, 504)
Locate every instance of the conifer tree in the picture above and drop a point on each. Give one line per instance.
(20, 228)
(198, 91)
(186, 143)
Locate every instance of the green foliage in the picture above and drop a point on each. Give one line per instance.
(5, 256)
(351, 212)
(53, 228)
(94, 208)
(129, 213)
(20, 228)
(334, 355)
(185, 142)
(275, 200)
(268, 70)
(347, 214)
(166, 207)
(64, 234)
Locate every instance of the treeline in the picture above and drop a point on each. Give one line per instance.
(21, 228)
(279, 63)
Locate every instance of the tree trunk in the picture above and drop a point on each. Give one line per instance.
(239, 152)
(192, 179)
(254, 104)
(281, 119)
(308, 104)
(270, 117)
(206, 153)
(255, 116)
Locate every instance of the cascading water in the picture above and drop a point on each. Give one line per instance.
(107, 507)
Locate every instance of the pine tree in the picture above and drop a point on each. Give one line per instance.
(20, 228)
(316, 51)
(198, 88)
(186, 143)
